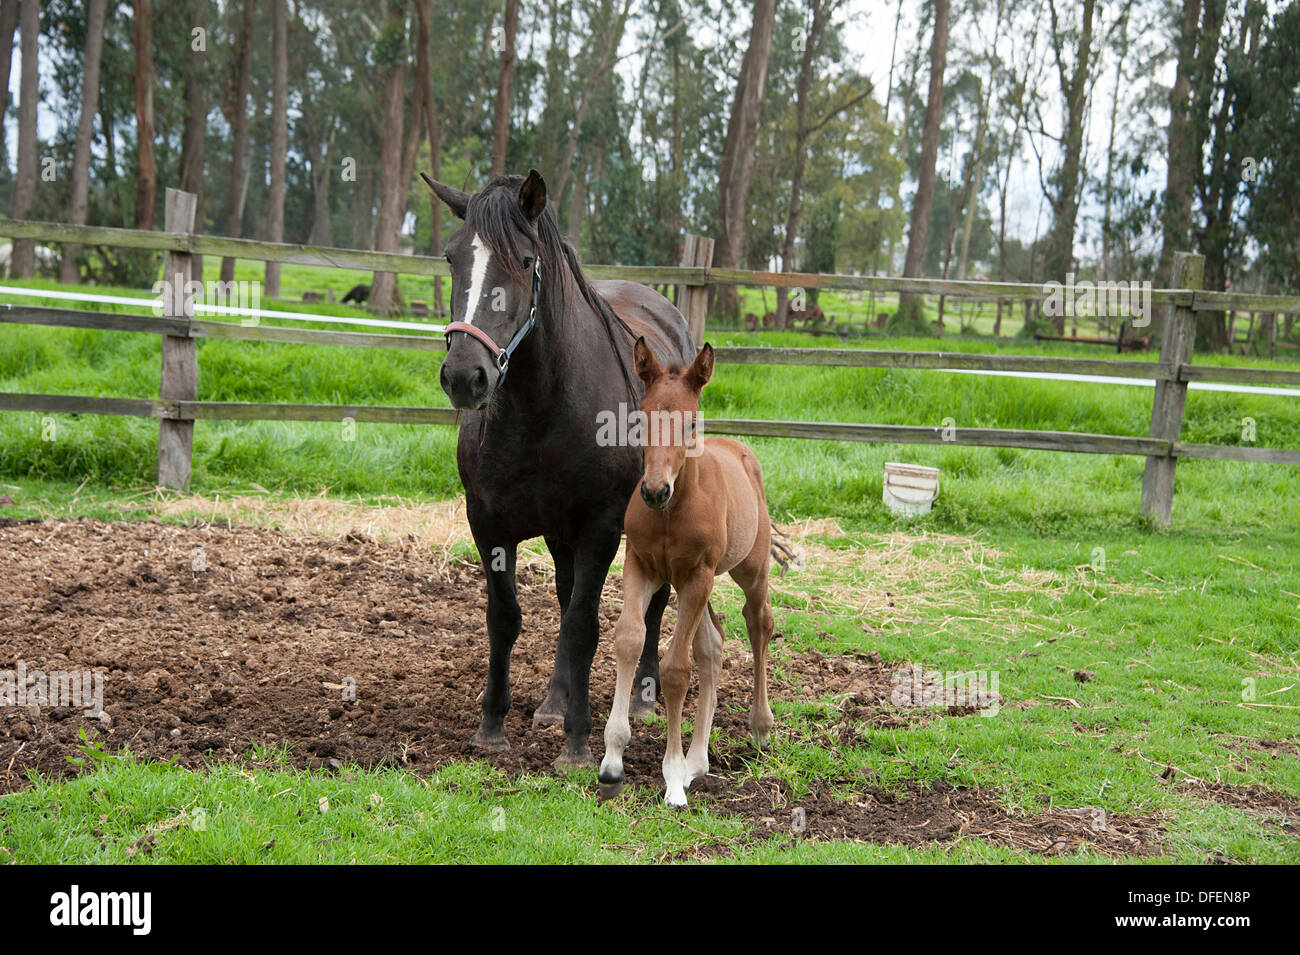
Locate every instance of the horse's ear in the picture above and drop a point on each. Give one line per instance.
(454, 199)
(647, 366)
(532, 195)
(701, 369)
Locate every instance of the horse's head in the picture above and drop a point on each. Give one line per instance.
(670, 422)
(495, 279)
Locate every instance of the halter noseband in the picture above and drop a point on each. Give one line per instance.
(502, 355)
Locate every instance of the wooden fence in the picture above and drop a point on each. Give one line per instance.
(177, 406)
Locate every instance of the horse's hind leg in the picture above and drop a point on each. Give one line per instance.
(645, 690)
(503, 621)
(552, 708)
(692, 603)
(759, 623)
(752, 577)
(629, 637)
(708, 662)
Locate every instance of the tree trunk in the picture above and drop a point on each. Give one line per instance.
(434, 131)
(736, 167)
(23, 263)
(319, 157)
(501, 121)
(279, 137)
(909, 304)
(577, 203)
(391, 184)
(803, 132)
(1184, 150)
(981, 138)
(194, 143)
(146, 182)
(8, 24)
(608, 55)
(1059, 254)
(237, 116)
(85, 133)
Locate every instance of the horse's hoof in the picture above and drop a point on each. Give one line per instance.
(610, 790)
(547, 718)
(641, 709)
(579, 760)
(489, 742)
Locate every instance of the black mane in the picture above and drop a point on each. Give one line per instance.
(495, 216)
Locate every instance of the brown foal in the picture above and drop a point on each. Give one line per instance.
(700, 512)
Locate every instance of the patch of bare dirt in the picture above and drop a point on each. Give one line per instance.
(1273, 808)
(915, 815)
(211, 639)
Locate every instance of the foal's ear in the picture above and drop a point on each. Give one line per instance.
(701, 369)
(647, 366)
(532, 195)
(454, 199)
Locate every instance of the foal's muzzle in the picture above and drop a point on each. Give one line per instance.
(657, 499)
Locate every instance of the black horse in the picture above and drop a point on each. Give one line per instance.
(537, 357)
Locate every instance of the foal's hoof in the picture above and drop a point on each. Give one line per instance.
(582, 759)
(610, 790)
(490, 742)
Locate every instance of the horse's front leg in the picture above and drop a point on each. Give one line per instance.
(503, 621)
(629, 638)
(579, 634)
(556, 703)
(692, 605)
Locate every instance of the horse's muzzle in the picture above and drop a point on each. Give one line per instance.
(468, 386)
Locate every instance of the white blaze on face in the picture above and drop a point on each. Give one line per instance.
(477, 276)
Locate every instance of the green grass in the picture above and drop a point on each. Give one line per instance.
(1169, 623)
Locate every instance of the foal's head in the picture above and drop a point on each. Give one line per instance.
(671, 409)
(492, 257)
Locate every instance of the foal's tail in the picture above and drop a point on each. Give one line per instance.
(783, 550)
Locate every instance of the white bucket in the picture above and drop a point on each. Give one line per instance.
(910, 489)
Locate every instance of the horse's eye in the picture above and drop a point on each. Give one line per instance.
(528, 261)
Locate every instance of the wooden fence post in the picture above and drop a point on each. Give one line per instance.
(180, 363)
(693, 300)
(1171, 396)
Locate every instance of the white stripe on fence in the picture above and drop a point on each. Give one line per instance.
(381, 323)
(218, 309)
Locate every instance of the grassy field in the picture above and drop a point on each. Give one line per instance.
(1034, 565)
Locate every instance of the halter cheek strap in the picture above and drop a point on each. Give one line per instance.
(501, 356)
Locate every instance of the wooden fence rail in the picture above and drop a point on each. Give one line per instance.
(177, 407)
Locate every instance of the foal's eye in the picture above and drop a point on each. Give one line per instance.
(528, 261)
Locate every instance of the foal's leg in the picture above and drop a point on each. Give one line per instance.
(629, 638)
(503, 621)
(708, 661)
(579, 634)
(692, 602)
(759, 623)
(645, 689)
(557, 694)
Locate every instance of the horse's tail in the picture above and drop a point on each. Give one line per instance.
(783, 550)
